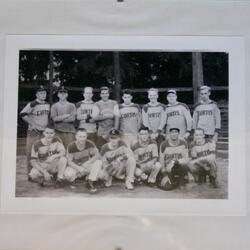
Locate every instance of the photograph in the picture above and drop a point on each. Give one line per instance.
(128, 120)
(122, 124)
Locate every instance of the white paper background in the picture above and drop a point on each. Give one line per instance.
(139, 18)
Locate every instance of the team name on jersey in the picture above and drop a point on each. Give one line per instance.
(42, 112)
(129, 115)
(86, 111)
(175, 156)
(203, 153)
(145, 155)
(205, 112)
(173, 113)
(154, 115)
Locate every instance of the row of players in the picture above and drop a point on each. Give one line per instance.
(166, 168)
(100, 117)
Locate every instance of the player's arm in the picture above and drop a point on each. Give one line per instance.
(97, 116)
(163, 120)
(72, 115)
(71, 163)
(94, 155)
(34, 162)
(185, 155)
(145, 120)
(217, 117)
(116, 116)
(195, 119)
(60, 152)
(25, 114)
(54, 115)
(188, 118)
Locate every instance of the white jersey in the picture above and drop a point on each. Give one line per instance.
(85, 112)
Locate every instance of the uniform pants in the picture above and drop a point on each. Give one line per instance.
(121, 168)
(153, 170)
(56, 167)
(32, 137)
(91, 170)
(199, 166)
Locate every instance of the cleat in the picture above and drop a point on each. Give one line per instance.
(108, 183)
(92, 188)
(129, 185)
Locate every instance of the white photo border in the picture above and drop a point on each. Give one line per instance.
(235, 204)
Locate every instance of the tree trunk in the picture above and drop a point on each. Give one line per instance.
(51, 75)
(197, 67)
(117, 75)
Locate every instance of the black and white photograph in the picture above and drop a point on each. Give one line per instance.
(124, 123)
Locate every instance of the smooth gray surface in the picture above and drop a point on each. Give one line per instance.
(128, 18)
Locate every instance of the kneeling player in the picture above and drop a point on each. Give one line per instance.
(83, 160)
(174, 160)
(146, 155)
(203, 158)
(47, 158)
(118, 160)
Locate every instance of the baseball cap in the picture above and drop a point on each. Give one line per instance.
(177, 129)
(171, 91)
(40, 89)
(114, 133)
(62, 89)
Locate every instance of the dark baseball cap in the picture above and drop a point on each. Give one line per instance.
(171, 91)
(62, 89)
(114, 133)
(41, 88)
(177, 129)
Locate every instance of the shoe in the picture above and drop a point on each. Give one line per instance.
(92, 188)
(152, 184)
(108, 183)
(59, 183)
(144, 177)
(214, 182)
(129, 185)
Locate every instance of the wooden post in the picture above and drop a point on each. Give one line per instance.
(117, 75)
(51, 75)
(197, 68)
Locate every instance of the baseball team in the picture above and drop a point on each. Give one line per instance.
(160, 145)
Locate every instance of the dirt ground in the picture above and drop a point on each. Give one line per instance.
(24, 188)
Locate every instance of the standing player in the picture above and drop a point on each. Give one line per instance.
(63, 114)
(203, 158)
(118, 160)
(174, 160)
(83, 160)
(36, 115)
(130, 118)
(146, 155)
(207, 115)
(86, 110)
(153, 114)
(177, 115)
(47, 158)
(106, 117)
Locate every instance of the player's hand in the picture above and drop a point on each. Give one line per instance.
(51, 158)
(170, 166)
(154, 136)
(109, 116)
(186, 135)
(65, 116)
(84, 116)
(47, 176)
(215, 137)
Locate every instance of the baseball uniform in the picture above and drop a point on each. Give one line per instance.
(38, 114)
(64, 129)
(178, 116)
(82, 158)
(146, 156)
(129, 122)
(207, 116)
(40, 154)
